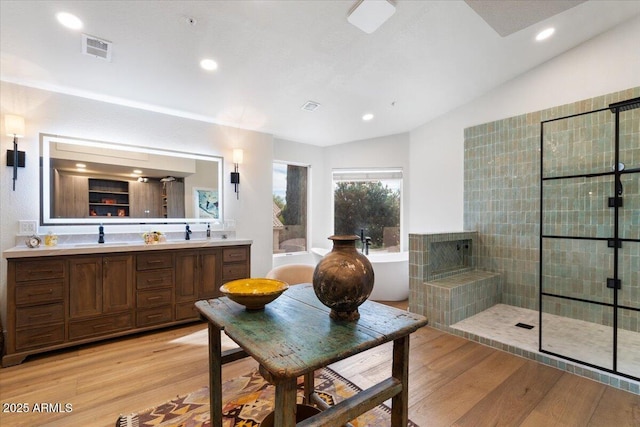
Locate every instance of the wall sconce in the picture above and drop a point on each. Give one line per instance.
(14, 126)
(235, 175)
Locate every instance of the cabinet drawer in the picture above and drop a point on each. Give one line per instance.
(154, 298)
(154, 279)
(234, 254)
(39, 292)
(38, 270)
(39, 337)
(186, 310)
(153, 315)
(234, 271)
(152, 261)
(39, 315)
(100, 326)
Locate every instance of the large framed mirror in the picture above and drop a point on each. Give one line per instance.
(91, 182)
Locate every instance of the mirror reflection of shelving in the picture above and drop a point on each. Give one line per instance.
(65, 192)
(108, 198)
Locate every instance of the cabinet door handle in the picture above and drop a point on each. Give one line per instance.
(39, 316)
(33, 272)
(154, 298)
(153, 316)
(42, 292)
(102, 325)
(155, 261)
(42, 336)
(150, 281)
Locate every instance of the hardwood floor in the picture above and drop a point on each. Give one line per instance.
(453, 382)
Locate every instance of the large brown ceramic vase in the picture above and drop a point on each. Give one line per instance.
(343, 279)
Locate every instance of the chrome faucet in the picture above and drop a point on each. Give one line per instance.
(187, 233)
(101, 234)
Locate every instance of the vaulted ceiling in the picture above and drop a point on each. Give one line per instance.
(273, 56)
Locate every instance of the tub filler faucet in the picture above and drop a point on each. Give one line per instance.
(187, 233)
(101, 234)
(366, 242)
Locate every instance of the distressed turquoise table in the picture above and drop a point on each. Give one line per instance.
(294, 336)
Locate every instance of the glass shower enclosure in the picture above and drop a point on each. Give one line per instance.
(590, 238)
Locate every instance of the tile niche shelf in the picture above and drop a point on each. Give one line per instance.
(108, 197)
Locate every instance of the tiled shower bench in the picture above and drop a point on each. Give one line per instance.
(444, 283)
(454, 298)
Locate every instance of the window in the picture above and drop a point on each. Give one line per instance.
(290, 184)
(369, 200)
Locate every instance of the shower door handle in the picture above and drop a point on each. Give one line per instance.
(614, 283)
(615, 202)
(614, 243)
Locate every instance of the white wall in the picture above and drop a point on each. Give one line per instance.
(607, 63)
(386, 151)
(79, 117)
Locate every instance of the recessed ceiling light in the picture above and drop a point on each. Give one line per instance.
(367, 117)
(138, 171)
(70, 21)
(209, 64)
(81, 165)
(545, 34)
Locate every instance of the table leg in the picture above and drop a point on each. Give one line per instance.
(285, 405)
(400, 371)
(215, 375)
(308, 387)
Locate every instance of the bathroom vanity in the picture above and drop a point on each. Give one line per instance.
(68, 295)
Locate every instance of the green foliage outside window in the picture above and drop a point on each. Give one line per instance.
(366, 205)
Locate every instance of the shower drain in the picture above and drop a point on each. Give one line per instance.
(524, 325)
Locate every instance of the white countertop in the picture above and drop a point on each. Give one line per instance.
(115, 247)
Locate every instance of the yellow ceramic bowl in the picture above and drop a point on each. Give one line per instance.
(254, 293)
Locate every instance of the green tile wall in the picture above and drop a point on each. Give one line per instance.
(502, 201)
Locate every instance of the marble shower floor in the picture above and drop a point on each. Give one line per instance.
(585, 341)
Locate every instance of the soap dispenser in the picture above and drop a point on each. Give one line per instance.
(208, 230)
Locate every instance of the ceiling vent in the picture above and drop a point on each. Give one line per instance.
(310, 106)
(96, 47)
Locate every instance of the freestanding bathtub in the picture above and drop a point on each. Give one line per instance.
(391, 271)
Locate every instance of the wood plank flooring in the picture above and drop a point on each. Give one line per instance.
(453, 382)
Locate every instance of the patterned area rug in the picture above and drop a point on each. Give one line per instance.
(247, 400)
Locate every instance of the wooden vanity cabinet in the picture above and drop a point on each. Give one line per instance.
(154, 288)
(100, 295)
(234, 262)
(35, 319)
(60, 301)
(100, 285)
(197, 277)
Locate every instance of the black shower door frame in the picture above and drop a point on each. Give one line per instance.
(614, 242)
